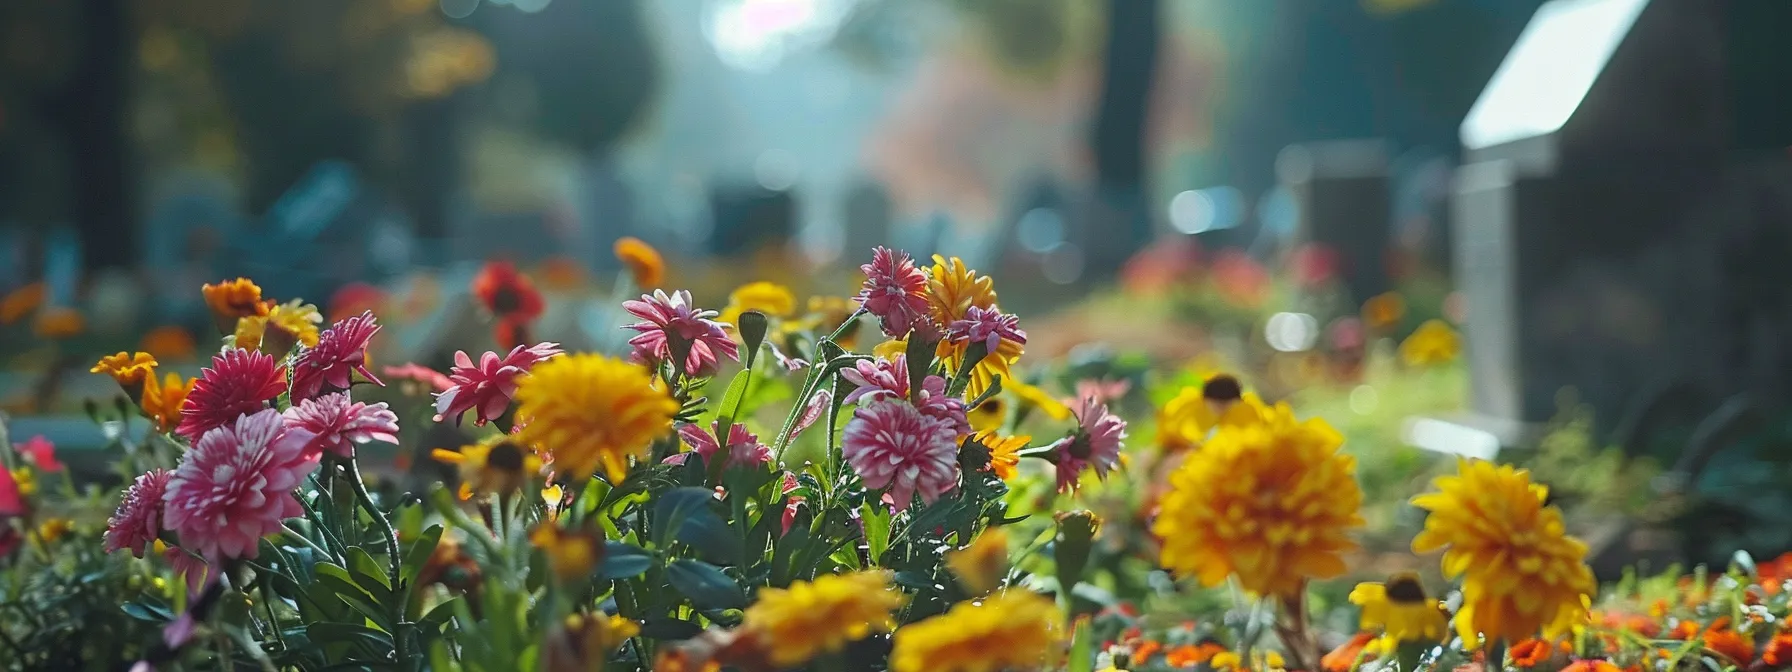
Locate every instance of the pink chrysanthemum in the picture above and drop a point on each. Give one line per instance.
(187, 566)
(340, 424)
(673, 318)
(886, 379)
(894, 445)
(1094, 445)
(488, 387)
(239, 382)
(988, 325)
(744, 449)
(818, 405)
(236, 484)
(895, 291)
(138, 520)
(341, 351)
(420, 374)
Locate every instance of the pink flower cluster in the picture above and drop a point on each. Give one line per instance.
(887, 379)
(1095, 444)
(341, 351)
(744, 449)
(674, 323)
(896, 447)
(239, 382)
(487, 388)
(895, 290)
(339, 424)
(236, 484)
(988, 326)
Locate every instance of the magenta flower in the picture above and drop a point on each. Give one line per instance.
(744, 449)
(239, 382)
(340, 424)
(138, 520)
(884, 379)
(188, 566)
(895, 291)
(341, 351)
(894, 445)
(236, 484)
(673, 320)
(988, 325)
(419, 374)
(1095, 444)
(488, 387)
(40, 452)
(818, 406)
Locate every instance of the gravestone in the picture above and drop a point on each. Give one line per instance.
(1341, 191)
(1609, 236)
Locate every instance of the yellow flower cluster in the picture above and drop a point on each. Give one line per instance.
(795, 624)
(1012, 630)
(590, 411)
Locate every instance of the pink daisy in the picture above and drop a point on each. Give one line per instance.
(488, 387)
(883, 380)
(1094, 445)
(744, 449)
(40, 452)
(340, 424)
(236, 484)
(673, 318)
(420, 374)
(895, 291)
(894, 445)
(988, 325)
(341, 351)
(239, 382)
(138, 520)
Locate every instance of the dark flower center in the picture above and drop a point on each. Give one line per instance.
(1405, 590)
(506, 301)
(505, 456)
(1222, 387)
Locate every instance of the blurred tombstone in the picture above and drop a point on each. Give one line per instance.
(183, 243)
(317, 235)
(1341, 192)
(867, 219)
(1577, 238)
(747, 218)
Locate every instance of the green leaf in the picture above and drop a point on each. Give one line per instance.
(147, 612)
(622, 561)
(673, 507)
(666, 628)
(712, 538)
(440, 614)
(418, 554)
(877, 529)
(1082, 648)
(705, 584)
(324, 633)
(731, 402)
(920, 362)
(336, 580)
(369, 573)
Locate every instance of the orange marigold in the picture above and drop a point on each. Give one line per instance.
(1592, 665)
(1724, 639)
(231, 300)
(1343, 658)
(1530, 652)
(170, 342)
(645, 265)
(1190, 655)
(1779, 650)
(21, 302)
(58, 323)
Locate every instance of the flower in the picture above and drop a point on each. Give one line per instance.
(138, 520)
(340, 424)
(284, 325)
(1723, 638)
(506, 293)
(894, 445)
(341, 351)
(54, 529)
(998, 362)
(1432, 343)
(168, 341)
(1779, 650)
(1095, 444)
(1400, 609)
(162, 401)
(496, 464)
(58, 323)
(488, 387)
(355, 298)
(589, 410)
(988, 326)
(1521, 571)
(744, 449)
(887, 379)
(674, 325)
(989, 415)
(239, 382)
(21, 302)
(1190, 655)
(1591, 665)
(561, 273)
(236, 485)
(1010, 630)
(1531, 652)
(894, 290)
(585, 641)
(1004, 452)
(1345, 657)
(572, 554)
(40, 452)
(129, 369)
(645, 265)
(23, 481)
(953, 289)
(772, 299)
(231, 300)
(1185, 419)
(1384, 311)
(1037, 398)
(795, 624)
(1269, 503)
(982, 565)
(827, 313)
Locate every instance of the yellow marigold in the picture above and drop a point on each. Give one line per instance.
(171, 342)
(1269, 502)
(1521, 572)
(162, 401)
(827, 313)
(1011, 630)
(1400, 609)
(952, 289)
(57, 323)
(795, 624)
(572, 554)
(1432, 343)
(982, 565)
(773, 299)
(496, 464)
(54, 529)
(21, 302)
(644, 263)
(1185, 419)
(1384, 311)
(233, 299)
(585, 641)
(589, 411)
(129, 369)
(1004, 452)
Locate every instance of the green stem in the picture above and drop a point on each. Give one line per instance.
(380, 519)
(307, 540)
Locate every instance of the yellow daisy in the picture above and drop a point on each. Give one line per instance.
(1185, 419)
(1004, 452)
(793, 625)
(952, 289)
(497, 464)
(590, 411)
(1037, 398)
(1011, 630)
(1400, 609)
(1434, 342)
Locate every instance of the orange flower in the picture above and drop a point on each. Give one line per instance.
(1190, 655)
(1685, 630)
(1530, 652)
(1145, 650)
(644, 263)
(1779, 650)
(232, 300)
(1774, 573)
(1722, 638)
(1343, 658)
(1591, 665)
(21, 302)
(562, 273)
(1384, 311)
(162, 401)
(169, 342)
(58, 323)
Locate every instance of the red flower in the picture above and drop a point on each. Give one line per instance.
(239, 382)
(1722, 638)
(507, 293)
(1779, 650)
(341, 350)
(355, 298)
(40, 452)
